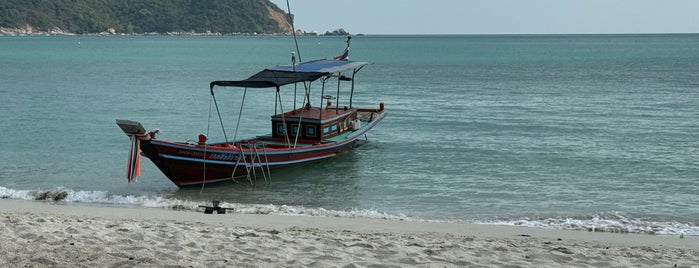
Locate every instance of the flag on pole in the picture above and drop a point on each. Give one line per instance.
(344, 56)
(133, 168)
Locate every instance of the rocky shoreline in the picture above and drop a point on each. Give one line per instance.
(56, 31)
(28, 30)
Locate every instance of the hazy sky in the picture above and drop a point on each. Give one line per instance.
(496, 16)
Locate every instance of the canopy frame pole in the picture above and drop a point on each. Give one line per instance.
(337, 98)
(352, 89)
(286, 131)
(354, 72)
(305, 100)
(322, 94)
(240, 114)
(225, 137)
(293, 68)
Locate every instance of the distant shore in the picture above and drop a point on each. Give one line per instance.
(59, 32)
(30, 31)
(50, 234)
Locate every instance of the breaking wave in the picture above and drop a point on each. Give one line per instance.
(105, 198)
(604, 222)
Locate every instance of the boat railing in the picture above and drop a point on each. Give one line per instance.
(378, 110)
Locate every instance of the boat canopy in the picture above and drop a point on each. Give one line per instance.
(286, 74)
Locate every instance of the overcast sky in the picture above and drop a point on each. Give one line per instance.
(496, 16)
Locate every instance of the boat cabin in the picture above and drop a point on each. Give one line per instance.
(314, 123)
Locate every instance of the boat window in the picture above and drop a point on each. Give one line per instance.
(280, 128)
(311, 131)
(334, 128)
(326, 130)
(294, 129)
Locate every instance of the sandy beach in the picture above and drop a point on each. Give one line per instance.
(40, 234)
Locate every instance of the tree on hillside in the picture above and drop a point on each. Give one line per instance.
(142, 16)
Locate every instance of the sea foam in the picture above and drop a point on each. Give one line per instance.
(603, 222)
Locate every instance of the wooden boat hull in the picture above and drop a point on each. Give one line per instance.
(191, 164)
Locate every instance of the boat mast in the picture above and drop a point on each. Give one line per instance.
(293, 57)
(293, 30)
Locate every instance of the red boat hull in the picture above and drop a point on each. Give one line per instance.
(196, 164)
(188, 165)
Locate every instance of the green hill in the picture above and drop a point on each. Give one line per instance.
(144, 16)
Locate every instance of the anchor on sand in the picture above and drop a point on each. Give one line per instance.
(215, 207)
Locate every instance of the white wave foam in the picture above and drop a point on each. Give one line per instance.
(105, 198)
(6, 193)
(95, 197)
(300, 210)
(604, 222)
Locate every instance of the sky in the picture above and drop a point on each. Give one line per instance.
(495, 16)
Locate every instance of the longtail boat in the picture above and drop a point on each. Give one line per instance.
(300, 135)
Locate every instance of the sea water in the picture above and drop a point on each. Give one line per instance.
(591, 132)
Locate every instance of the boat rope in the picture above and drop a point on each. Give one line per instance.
(203, 180)
(208, 127)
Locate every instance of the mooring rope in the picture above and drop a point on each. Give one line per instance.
(208, 127)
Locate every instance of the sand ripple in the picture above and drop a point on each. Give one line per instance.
(41, 240)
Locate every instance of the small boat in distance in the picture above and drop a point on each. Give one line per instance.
(298, 136)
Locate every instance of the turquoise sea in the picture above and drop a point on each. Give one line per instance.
(553, 131)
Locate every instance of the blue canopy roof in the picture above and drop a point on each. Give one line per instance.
(323, 66)
(287, 74)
